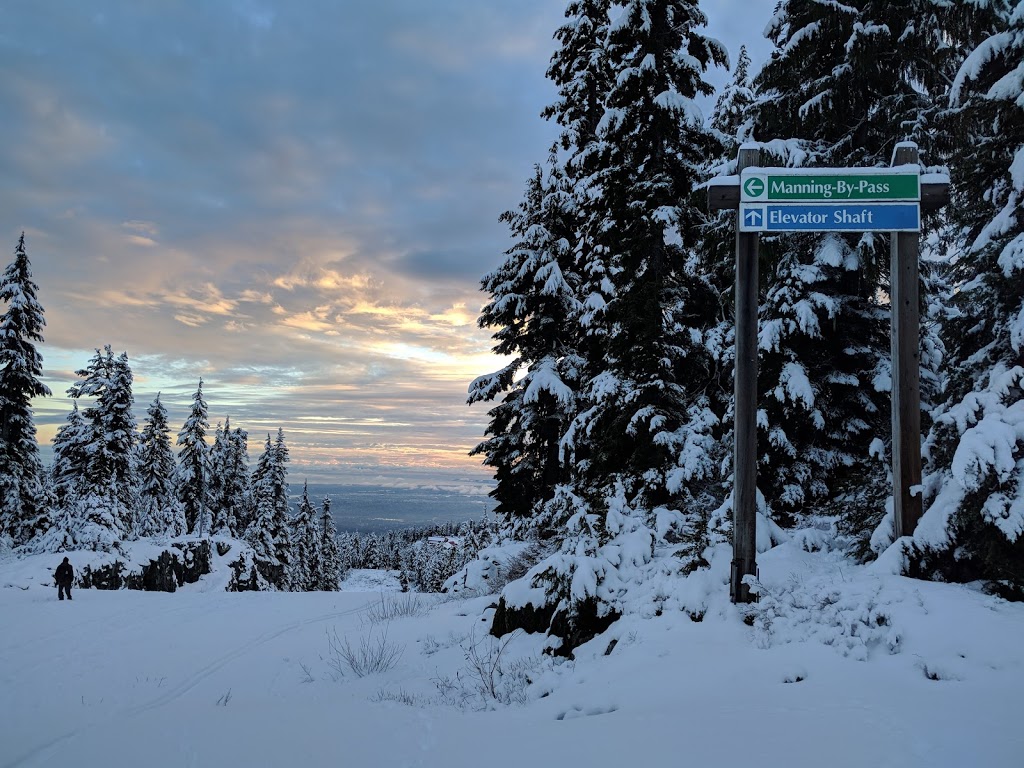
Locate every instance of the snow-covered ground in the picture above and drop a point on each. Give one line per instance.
(844, 666)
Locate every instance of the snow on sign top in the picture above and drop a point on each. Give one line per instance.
(803, 185)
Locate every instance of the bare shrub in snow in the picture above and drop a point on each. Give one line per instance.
(373, 654)
(398, 606)
(432, 645)
(401, 696)
(490, 678)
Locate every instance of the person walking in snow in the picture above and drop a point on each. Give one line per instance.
(64, 576)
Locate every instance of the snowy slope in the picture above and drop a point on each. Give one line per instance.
(205, 678)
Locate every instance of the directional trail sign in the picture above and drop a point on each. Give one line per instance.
(830, 217)
(829, 185)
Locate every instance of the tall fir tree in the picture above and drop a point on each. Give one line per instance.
(65, 481)
(732, 116)
(279, 474)
(23, 512)
(219, 451)
(108, 491)
(973, 526)
(268, 533)
(330, 568)
(194, 466)
(648, 416)
(641, 445)
(230, 499)
(160, 511)
(532, 297)
(580, 71)
(305, 565)
(237, 487)
(69, 457)
(263, 536)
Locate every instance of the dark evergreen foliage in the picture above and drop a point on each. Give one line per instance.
(304, 574)
(108, 491)
(330, 568)
(646, 380)
(268, 532)
(974, 523)
(229, 493)
(160, 512)
(23, 511)
(644, 417)
(69, 458)
(533, 294)
(194, 466)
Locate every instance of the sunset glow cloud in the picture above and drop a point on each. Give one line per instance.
(293, 201)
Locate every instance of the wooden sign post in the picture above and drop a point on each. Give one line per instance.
(744, 498)
(827, 200)
(906, 370)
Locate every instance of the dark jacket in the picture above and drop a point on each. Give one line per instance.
(64, 574)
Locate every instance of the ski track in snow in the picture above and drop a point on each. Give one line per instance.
(39, 752)
(182, 688)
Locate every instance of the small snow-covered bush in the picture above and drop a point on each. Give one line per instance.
(493, 568)
(849, 618)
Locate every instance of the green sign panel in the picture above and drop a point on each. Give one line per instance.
(783, 185)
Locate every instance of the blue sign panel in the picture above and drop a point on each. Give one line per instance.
(830, 217)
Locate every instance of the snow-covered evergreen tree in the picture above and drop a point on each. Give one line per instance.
(236, 486)
(580, 71)
(732, 116)
(107, 494)
(641, 445)
(65, 479)
(160, 511)
(269, 530)
(649, 420)
(214, 490)
(305, 554)
(279, 473)
(532, 303)
(194, 466)
(263, 536)
(70, 446)
(229, 493)
(23, 512)
(330, 564)
(974, 521)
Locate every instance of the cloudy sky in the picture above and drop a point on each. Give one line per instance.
(293, 200)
